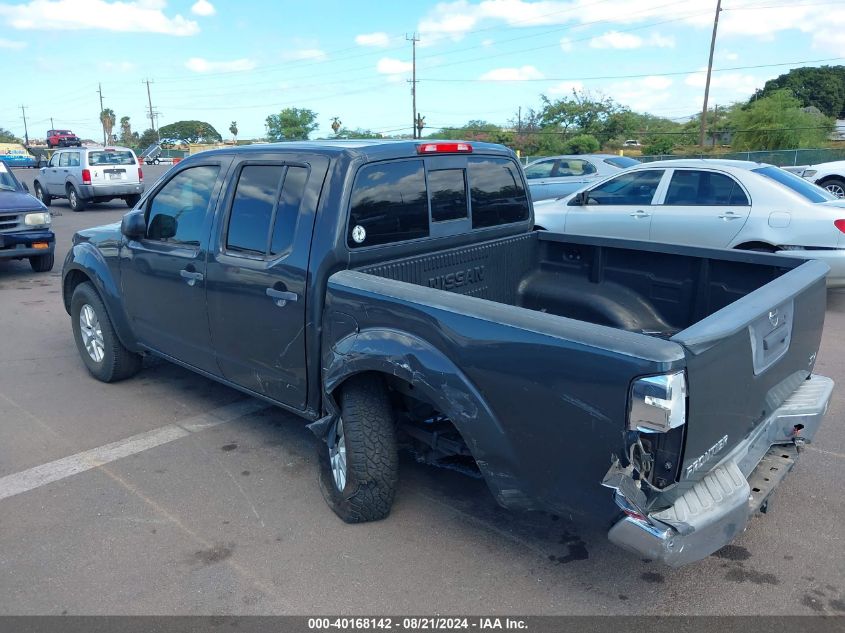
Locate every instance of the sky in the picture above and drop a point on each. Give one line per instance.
(221, 61)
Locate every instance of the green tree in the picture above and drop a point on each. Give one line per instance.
(189, 132)
(778, 122)
(233, 128)
(149, 137)
(822, 87)
(108, 119)
(125, 131)
(583, 113)
(356, 133)
(582, 144)
(7, 137)
(291, 124)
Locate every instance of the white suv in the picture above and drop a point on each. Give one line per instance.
(91, 174)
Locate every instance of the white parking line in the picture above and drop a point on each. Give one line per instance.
(38, 476)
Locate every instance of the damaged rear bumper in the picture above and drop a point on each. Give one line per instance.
(711, 513)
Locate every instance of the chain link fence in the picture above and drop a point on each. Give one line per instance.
(781, 158)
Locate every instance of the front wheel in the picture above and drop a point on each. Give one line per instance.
(45, 198)
(42, 263)
(104, 355)
(359, 460)
(835, 186)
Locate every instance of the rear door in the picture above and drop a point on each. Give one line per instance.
(701, 207)
(621, 207)
(257, 274)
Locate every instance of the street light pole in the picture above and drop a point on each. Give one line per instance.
(703, 128)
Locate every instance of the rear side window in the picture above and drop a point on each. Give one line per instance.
(252, 208)
(287, 213)
(704, 188)
(622, 162)
(496, 193)
(119, 157)
(389, 204)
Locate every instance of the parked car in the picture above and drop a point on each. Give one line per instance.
(24, 224)
(712, 203)
(631, 142)
(62, 138)
(831, 176)
(558, 176)
(395, 292)
(91, 174)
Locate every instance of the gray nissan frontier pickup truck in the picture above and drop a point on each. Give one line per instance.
(394, 293)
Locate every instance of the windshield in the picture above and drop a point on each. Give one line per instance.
(111, 158)
(800, 186)
(65, 132)
(7, 180)
(622, 162)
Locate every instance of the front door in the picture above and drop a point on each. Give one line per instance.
(257, 274)
(163, 275)
(620, 207)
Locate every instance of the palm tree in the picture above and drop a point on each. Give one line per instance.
(108, 119)
(233, 128)
(125, 130)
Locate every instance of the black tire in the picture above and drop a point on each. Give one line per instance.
(45, 199)
(74, 200)
(836, 186)
(372, 462)
(156, 161)
(117, 362)
(42, 263)
(132, 200)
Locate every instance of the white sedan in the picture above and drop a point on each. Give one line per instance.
(831, 176)
(712, 203)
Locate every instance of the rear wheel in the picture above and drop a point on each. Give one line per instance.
(132, 200)
(359, 461)
(104, 355)
(835, 186)
(42, 263)
(76, 203)
(45, 198)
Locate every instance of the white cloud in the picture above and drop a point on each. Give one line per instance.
(378, 39)
(203, 8)
(566, 88)
(660, 41)
(566, 44)
(200, 65)
(142, 16)
(487, 43)
(615, 39)
(512, 74)
(116, 67)
(391, 66)
(731, 57)
(306, 53)
(11, 44)
(729, 84)
(642, 95)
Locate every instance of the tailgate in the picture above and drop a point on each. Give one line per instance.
(744, 360)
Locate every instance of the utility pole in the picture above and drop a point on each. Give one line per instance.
(52, 125)
(25, 130)
(100, 91)
(152, 114)
(709, 71)
(413, 39)
(519, 120)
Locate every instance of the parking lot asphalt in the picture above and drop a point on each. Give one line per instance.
(216, 508)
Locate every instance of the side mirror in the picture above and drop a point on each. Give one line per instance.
(580, 199)
(25, 187)
(133, 226)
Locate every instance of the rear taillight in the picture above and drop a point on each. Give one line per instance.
(839, 224)
(86, 176)
(444, 148)
(140, 175)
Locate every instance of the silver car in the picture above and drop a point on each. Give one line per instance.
(91, 174)
(558, 176)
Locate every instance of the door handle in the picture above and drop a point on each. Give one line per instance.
(281, 297)
(640, 214)
(191, 277)
(729, 215)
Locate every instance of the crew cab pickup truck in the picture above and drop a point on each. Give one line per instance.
(394, 294)
(24, 224)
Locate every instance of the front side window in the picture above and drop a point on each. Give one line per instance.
(707, 188)
(496, 192)
(64, 159)
(389, 204)
(543, 169)
(177, 211)
(448, 191)
(635, 188)
(252, 208)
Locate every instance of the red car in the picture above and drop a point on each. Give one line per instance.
(62, 138)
